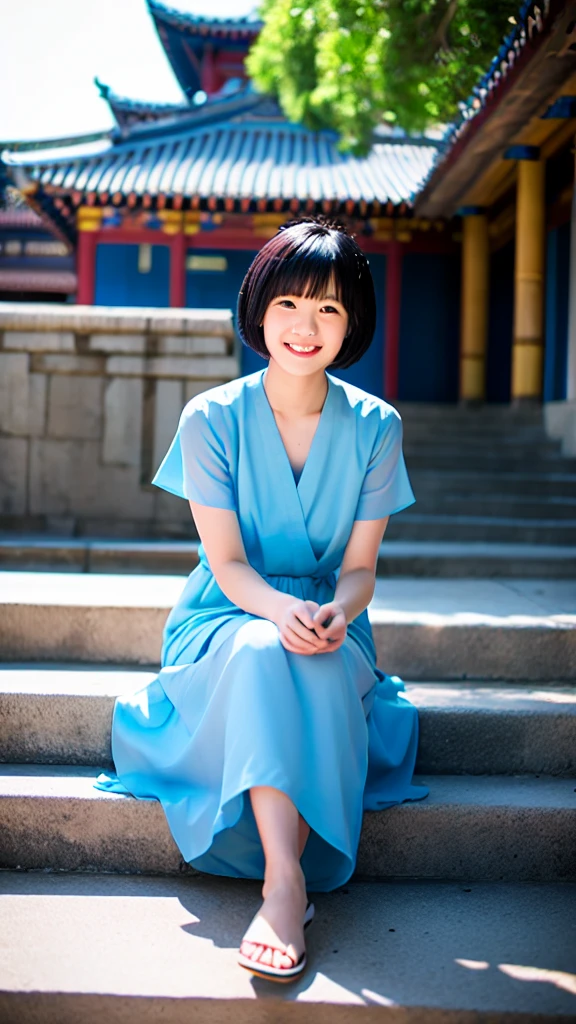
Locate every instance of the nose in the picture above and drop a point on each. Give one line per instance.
(304, 327)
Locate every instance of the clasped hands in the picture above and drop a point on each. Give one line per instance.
(302, 630)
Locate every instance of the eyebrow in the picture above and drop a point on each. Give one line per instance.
(335, 297)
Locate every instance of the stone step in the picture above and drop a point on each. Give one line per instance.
(423, 629)
(132, 950)
(396, 558)
(495, 461)
(478, 433)
(412, 525)
(62, 714)
(455, 445)
(518, 828)
(508, 506)
(427, 481)
(502, 414)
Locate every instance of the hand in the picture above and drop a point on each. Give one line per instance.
(334, 632)
(298, 628)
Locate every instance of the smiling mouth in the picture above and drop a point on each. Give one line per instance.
(302, 350)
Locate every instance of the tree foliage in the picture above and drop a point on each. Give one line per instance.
(348, 65)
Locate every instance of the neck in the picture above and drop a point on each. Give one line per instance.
(294, 396)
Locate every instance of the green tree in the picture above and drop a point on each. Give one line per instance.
(350, 64)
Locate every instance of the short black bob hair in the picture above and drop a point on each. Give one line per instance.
(300, 260)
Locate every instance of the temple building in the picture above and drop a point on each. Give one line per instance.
(467, 233)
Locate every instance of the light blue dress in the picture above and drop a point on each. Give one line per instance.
(231, 708)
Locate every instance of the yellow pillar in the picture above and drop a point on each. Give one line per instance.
(528, 346)
(474, 305)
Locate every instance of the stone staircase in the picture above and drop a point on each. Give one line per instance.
(463, 906)
(495, 498)
(487, 475)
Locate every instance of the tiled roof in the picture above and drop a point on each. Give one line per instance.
(243, 163)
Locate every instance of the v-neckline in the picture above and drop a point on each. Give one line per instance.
(318, 433)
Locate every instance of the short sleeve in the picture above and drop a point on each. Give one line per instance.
(386, 488)
(195, 466)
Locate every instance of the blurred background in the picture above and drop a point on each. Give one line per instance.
(149, 150)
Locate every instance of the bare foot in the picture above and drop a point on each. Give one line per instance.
(275, 937)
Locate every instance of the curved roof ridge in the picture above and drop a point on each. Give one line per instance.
(186, 19)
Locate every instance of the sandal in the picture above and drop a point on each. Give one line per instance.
(279, 973)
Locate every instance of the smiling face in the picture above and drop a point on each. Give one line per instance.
(295, 323)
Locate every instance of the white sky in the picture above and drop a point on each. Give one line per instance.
(50, 51)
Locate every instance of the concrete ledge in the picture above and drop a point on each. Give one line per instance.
(62, 715)
(423, 629)
(396, 558)
(96, 948)
(497, 828)
(48, 316)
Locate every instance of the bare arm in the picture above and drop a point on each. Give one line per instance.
(356, 580)
(221, 538)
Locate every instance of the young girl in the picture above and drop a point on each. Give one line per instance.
(269, 727)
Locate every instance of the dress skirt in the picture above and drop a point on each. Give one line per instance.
(231, 708)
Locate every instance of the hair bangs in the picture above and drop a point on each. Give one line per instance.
(310, 271)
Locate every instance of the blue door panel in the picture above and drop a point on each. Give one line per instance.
(120, 283)
(557, 297)
(429, 327)
(500, 317)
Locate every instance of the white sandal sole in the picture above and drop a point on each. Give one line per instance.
(279, 973)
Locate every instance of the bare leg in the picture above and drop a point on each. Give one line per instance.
(279, 922)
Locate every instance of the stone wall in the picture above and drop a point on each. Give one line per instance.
(90, 398)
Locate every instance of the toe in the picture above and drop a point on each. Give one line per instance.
(282, 959)
(266, 957)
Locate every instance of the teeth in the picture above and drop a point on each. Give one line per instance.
(303, 348)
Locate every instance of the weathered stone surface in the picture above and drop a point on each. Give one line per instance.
(14, 393)
(171, 945)
(54, 365)
(80, 364)
(61, 714)
(194, 321)
(67, 477)
(126, 366)
(467, 828)
(173, 366)
(18, 316)
(193, 345)
(196, 387)
(75, 407)
(168, 407)
(122, 421)
(538, 642)
(213, 368)
(37, 391)
(39, 341)
(13, 482)
(129, 343)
